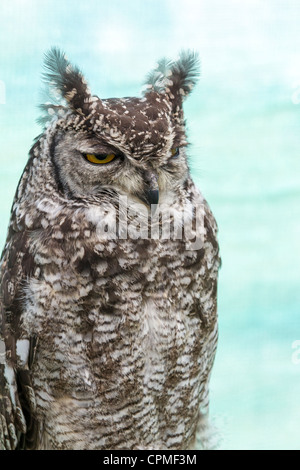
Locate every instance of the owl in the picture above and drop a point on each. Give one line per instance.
(109, 274)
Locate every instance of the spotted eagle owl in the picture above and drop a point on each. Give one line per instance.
(108, 307)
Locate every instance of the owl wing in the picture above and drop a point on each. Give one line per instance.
(205, 434)
(17, 401)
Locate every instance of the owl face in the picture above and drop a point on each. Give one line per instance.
(133, 146)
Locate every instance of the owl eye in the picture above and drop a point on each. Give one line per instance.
(99, 159)
(175, 152)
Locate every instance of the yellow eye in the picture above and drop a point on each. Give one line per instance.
(175, 152)
(99, 159)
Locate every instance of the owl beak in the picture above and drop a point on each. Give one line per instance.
(153, 196)
(152, 192)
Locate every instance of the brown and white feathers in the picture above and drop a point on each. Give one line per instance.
(108, 322)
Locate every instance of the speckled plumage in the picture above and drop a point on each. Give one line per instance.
(107, 342)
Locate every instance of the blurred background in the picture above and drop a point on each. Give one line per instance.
(244, 127)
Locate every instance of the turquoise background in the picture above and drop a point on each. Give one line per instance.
(244, 126)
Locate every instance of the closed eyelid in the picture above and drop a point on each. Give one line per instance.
(98, 150)
(95, 147)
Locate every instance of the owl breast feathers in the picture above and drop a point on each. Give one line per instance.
(109, 274)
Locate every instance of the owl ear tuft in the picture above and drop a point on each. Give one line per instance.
(156, 79)
(185, 73)
(66, 80)
(176, 79)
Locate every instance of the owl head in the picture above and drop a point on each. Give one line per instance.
(134, 146)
